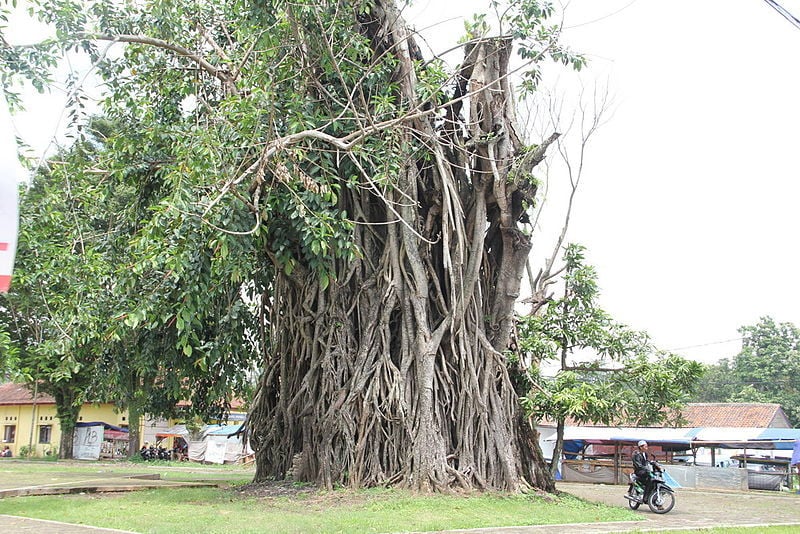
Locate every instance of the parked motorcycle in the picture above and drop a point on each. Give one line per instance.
(148, 453)
(655, 492)
(155, 453)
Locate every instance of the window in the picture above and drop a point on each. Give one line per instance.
(9, 433)
(45, 432)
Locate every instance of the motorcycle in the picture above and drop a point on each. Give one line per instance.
(656, 493)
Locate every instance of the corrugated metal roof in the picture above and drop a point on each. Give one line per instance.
(626, 435)
(727, 437)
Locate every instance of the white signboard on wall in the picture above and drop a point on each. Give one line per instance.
(87, 441)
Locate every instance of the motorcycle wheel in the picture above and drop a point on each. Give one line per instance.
(634, 505)
(661, 501)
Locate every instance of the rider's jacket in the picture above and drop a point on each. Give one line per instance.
(641, 464)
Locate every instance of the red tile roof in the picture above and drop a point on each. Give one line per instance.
(16, 394)
(235, 404)
(728, 414)
(716, 414)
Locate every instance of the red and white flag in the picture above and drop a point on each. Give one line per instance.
(8, 227)
(9, 185)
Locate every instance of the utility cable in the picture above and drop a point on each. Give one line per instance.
(783, 11)
(623, 8)
(706, 344)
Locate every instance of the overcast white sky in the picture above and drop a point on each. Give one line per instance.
(689, 202)
(688, 205)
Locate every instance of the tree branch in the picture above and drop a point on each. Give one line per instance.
(221, 74)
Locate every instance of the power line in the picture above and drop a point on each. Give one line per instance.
(783, 11)
(706, 344)
(623, 8)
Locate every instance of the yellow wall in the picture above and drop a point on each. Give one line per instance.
(22, 416)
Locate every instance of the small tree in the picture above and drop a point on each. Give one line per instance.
(607, 373)
(85, 325)
(54, 307)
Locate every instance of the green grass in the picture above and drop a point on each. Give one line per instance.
(20, 473)
(219, 510)
(231, 511)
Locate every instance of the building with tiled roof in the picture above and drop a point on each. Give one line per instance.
(34, 426)
(17, 394)
(734, 415)
(28, 425)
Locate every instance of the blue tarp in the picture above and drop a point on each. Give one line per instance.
(225, 430)
(572, 448)
(796, 453)
(671, 482)
(788, 435)
(665, 444)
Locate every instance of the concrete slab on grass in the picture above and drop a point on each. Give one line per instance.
(59, 483)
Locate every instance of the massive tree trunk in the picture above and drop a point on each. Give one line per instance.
(395, 373)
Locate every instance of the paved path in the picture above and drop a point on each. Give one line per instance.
(14, 524)
(703, 508)
(694, 509)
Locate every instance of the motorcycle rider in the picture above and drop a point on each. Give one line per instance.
(641, 465)
(647, 483)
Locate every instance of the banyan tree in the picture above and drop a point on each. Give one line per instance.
(393, 368)
(369, 201)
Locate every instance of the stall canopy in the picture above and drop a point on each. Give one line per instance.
(667, 438)
(96, 438)
(106, 426)
(746, 438)
(229, 430)
(681, 439)
(109, 431)
(783, 438)
(219, 444)
(175, 431)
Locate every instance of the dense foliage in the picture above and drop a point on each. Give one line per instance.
(77, 296)
(305, 187)
(765, 370)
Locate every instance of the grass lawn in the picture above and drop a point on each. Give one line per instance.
(286, 508)
(232, 511)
